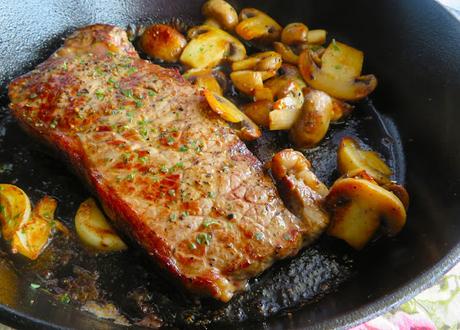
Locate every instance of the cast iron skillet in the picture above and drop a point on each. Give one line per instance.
(414, 49)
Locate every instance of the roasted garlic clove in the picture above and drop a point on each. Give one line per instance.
(302, 191)
(256, 25)
(313, 122)
(15, 209)
(209, 46)
(221, 12)
(94, 230)
(357, 207)
(339, 74)
(162, 42)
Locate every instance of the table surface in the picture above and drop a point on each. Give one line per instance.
(435, 308)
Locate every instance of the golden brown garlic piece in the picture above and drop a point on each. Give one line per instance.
(302, 191)
(209, 46)
(258, 26)
(339, 74)
(221, 12)
(162, 42)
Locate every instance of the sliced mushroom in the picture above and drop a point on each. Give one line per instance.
(246, 129)
(247, 81)
(340, 109)
(222, 12)
(204, 78)
(294, 34)
(162, 42)
(313, 122)
(357, 207)
(302, 191)
(259, 112)
(266, 61)
(350, 157)
(209, 46)
(256, 25)
(338, 75)
(288, 104)
(316, 37)
(286, 53)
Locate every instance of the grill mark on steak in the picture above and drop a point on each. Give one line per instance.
(167, 170)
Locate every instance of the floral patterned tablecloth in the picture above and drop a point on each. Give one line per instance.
(435, 308)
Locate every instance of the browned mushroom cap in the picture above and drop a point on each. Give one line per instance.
(337, 80)
(162, 42)
(302, 191)
(357, 207)
(294, 33)
(256, 25)
(313, 122)
(222, 12)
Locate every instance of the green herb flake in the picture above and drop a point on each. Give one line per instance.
(170, 140)
(287, 237)
(185, 214)
(130, 176)
(100, 94)
(144, 132)
(183, 148)
(163, 169)
(65, 298)
(209, 222)
(338, 67)
(33, 95)
(132, 70)
(259, 236)
(334, 46)
(171, 192)
(34, 286)
(203, 238)
(111, 80)
(138, 103)
(151, 93)
(54, 123)
(64, 66)
(192, 246)
(211, 194)
(143, 159)
(127, 92)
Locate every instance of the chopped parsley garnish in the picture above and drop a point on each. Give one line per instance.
(203, 238)
(32, 95)
(130, 176)
(54, 123)
(334, 46)
(138, 103)
(171, 192)
(287, 237)
(34, 286)
(211, 194)
(172, 217)
(151, 93)
(259, 236)
(164, 169)
(127, 92)
(338, 67)
(185, 214)
(111, 80)
(100, 94)
(209, 222)
(131, 70)
(144, 132)
(143, 159)
(64, 66)
(65, 298)
(192, 246)
(183, 148)
(170, 140)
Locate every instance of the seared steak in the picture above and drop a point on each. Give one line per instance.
(167, 170)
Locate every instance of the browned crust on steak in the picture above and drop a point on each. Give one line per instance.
(167, 170)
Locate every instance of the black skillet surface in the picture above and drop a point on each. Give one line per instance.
(414, 49)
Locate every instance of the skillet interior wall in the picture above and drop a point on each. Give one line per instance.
(412, 47)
